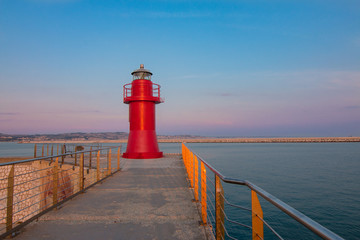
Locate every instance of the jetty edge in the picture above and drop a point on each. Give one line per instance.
(218, 140)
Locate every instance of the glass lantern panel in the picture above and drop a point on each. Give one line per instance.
(142, 75)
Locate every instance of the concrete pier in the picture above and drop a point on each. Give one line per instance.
(147, 199)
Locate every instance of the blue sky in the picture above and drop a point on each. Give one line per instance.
(227, 68)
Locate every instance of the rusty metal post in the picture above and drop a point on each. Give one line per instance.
(57, 149)
(203, 194)
(75, 157)
(98, 166)
(62, 152)
(182, 150)
(81, 173)
(55, 181)
(52, 151)
(118, 158)
(35, 148)
(256, 212)
(90, 157)
(47, 149)
(219, 205)
(196, 184)
(10, 199)
(42, 152)
(109, 161)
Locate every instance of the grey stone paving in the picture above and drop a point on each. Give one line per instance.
(148, 199)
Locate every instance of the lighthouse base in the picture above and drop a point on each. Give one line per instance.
(142, 144)
(143, 155)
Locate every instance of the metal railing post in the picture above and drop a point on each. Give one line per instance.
(98, 166)
(191, 169)
(188, 163)
(203, 194)
(52, 151)
(35, 148)
(219, 205)
(75, 157)
(118, 158)
(42, 152)
(196, 184)
(185, 160)
(256, 212)
(62, 152)
(81, 174)
(10, 199)
(47, 149)
(55, 181)
(90, 157)
(182, 149)
(109, 161)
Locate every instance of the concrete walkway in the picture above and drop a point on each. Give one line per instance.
(148, 199)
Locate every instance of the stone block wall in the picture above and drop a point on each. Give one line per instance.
(26, 198)
(33, 187)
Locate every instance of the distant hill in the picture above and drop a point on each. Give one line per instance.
(78, 136)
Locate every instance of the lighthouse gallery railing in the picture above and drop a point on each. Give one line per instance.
(212, 202)
(128, 93)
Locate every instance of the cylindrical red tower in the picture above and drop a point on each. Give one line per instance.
(142, 95)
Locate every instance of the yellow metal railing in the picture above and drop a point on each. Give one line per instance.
(30, 188)
(213, 212)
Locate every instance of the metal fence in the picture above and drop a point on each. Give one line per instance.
(217, 210)
(50, 149)
(30, 188)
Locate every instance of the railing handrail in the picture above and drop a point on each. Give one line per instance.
(54, 156)
(128, 87)
(292, 212)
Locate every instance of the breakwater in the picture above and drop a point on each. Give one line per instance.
(265, 140)
(220, 140)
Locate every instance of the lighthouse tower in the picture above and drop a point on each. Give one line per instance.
(142, 95)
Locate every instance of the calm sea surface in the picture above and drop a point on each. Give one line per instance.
(322, 180)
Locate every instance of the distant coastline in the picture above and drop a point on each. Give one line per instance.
(222, 140)
(268, 140)
(121, 137)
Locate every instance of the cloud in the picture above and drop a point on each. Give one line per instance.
(78, 111)
(352, 107)
(8, 113)
(346, 79)
(164, 14)
(179, 14)
(84, 111)
(189, 14)
(314, 78)
(227, 94)
(53, 1)
(356, 41)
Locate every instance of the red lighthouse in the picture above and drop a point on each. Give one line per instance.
(142, 95)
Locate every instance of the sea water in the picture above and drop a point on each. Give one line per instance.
(321, 180)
